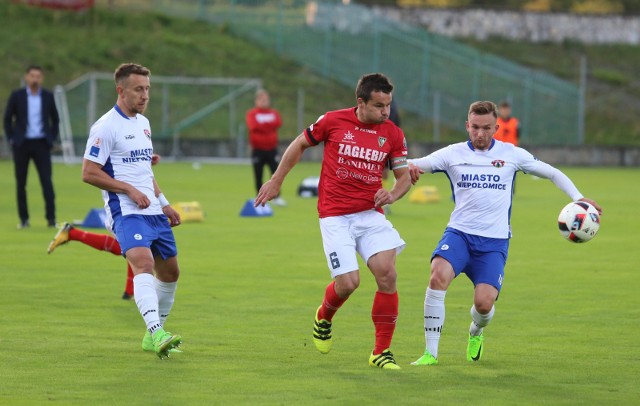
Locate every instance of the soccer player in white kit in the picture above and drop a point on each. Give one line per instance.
(358, 143)
(118, 161)
(476, 241)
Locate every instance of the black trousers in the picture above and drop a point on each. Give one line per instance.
(40, 152)
(259, 159)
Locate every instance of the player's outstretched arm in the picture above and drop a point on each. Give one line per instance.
(419, 166)
(290, 158)
(563, 182)
(93, 174)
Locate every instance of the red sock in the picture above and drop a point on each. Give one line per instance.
(331, 303)
(384, 315)
(128, 288)
(102, 242)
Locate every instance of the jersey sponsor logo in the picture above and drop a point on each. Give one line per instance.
(370, 166)
(344, 173)
(482, 181)
(138, 155)
(262, 118)
(480, 178)
(381, 141)
(444, 247)
(366, 130)
(348, 137)
(137, 237)
(368, 154)
(498, 163)
(129, 137)
(366, 178)
(147, 133)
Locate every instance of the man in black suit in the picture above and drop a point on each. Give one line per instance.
(31, 124)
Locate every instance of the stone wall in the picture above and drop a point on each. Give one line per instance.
(521, 26)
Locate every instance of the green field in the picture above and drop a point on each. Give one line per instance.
(565, 332)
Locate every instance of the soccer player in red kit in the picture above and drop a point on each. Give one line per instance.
(358, 142)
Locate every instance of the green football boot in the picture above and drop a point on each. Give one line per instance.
(164, 342)
(426, 359)
(147, 344)
(475, 347)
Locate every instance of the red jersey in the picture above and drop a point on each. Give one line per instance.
(263, 127)
(354, 156)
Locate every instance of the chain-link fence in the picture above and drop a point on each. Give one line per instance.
(190, 116)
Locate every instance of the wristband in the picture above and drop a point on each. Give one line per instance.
(163, 200)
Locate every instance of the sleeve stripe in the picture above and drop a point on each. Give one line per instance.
(312, 140)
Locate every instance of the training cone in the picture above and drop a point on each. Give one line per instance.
(249, 211)
(95, 219)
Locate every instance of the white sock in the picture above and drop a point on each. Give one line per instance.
(479, 321)
(166, 292)
(147, 300)
(433, 319)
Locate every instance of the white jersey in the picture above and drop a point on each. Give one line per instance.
(482, 183)
(122, 145)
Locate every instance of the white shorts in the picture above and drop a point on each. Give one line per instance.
(366, 233)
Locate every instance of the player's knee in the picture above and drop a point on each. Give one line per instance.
(346, 285)
(439, 280)
(387, 280)
(484, 305)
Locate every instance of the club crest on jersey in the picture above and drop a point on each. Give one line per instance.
(498, 163)
(147, 133)
(381, 141)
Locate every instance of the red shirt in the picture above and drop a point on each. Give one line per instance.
(263, 127)
(354, 156)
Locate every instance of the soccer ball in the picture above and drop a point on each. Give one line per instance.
(579, 222)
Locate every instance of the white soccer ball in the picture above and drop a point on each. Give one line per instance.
(579, 222)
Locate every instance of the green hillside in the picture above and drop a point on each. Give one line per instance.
(69, 45)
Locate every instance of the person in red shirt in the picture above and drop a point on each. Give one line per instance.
(263, 123)
(358, 143)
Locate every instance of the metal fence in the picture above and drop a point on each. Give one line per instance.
(190, 116)
(435, 77)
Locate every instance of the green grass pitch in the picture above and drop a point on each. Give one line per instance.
(565, 332)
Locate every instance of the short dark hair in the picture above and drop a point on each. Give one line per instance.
(372, 82)
(481, 108)
(127, 69)
(33, 67)
(504, 103)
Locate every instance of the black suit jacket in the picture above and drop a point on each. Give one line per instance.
(16, 117)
